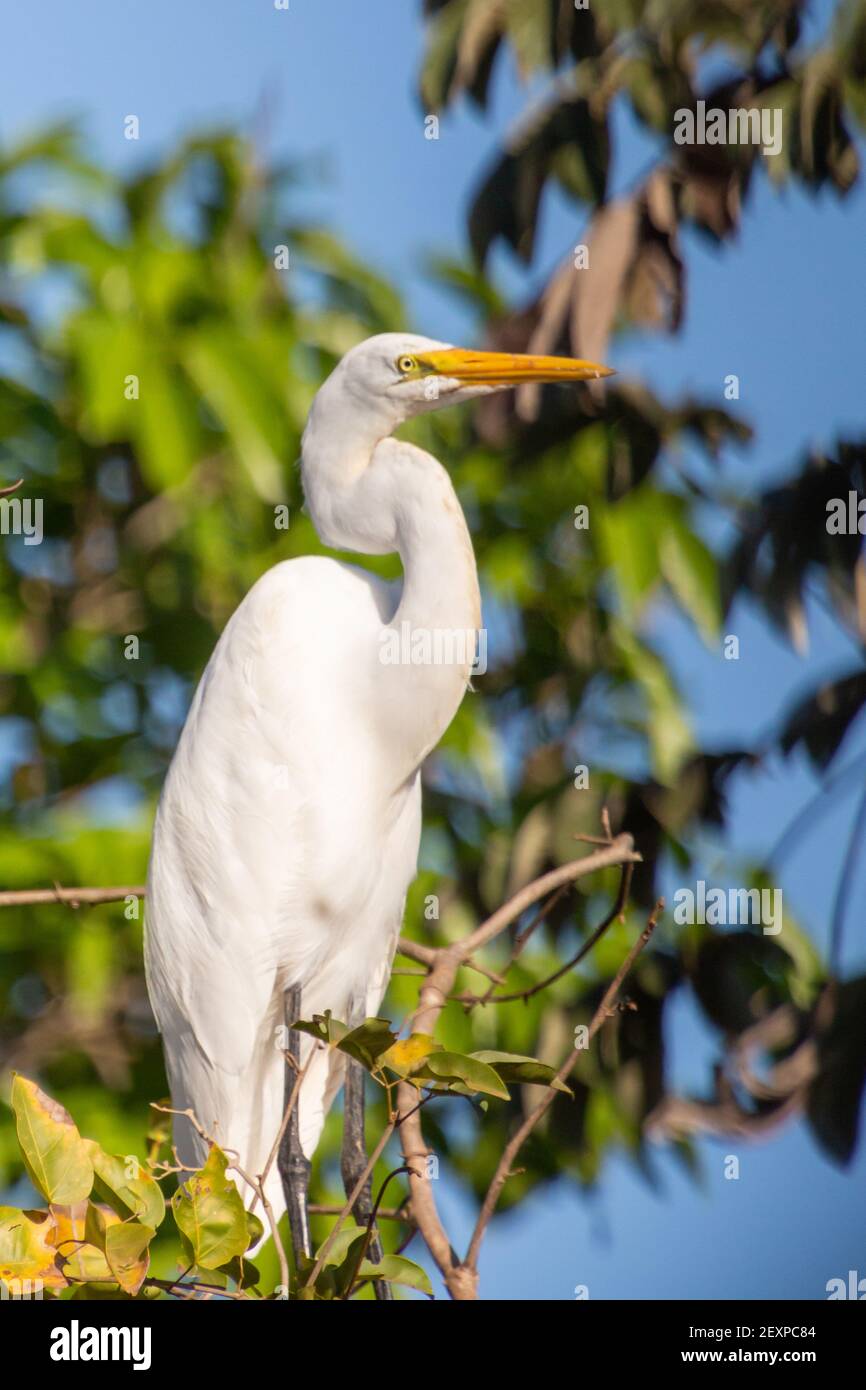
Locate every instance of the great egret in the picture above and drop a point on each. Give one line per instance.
(288, 828)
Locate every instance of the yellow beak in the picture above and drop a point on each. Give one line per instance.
(508, 368)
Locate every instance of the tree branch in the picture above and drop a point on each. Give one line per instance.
(73, 897)
(515, 1144)
(443, 964)
(461, 1279)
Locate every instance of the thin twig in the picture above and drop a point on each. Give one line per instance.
(461, 1280)
(384, 1213)
(523, 938)
(373, 1217)
(526, 994)
(350, 1202)
(515, 1144)
(26, 897)
(619, 851)
(443, 964)
(287, 1114)
(256, 1185)
(426, 955)
(208, 1290)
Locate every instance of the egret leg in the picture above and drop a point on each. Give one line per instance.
(294, 1167)
(353, 1161)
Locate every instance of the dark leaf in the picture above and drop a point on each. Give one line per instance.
(835, 1094)
(822, 720)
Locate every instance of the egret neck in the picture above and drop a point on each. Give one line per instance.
(380, 496)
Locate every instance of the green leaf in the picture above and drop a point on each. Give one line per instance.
(86, 1264)
(453, 1068)
(55, 1155)
(84, 1240)
(441, 55)
(396, 1269)
(165, 426)
(210, 1214)
(255, 1229)
(138, 1195)
(340, 1277)
(127, 1254)
(690, 570)
(669, 736)
(647, 536)
(323, 1028)
(223, 365)
(530, 32)
(528, 1070)
(365, 1044)
(106, 350)
(340, 1246)
(628, 538)
(368, 1042)
(243, 1271)
(82, 1261)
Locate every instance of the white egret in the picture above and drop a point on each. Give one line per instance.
(288, 828)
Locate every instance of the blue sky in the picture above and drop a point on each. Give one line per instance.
(333, 82)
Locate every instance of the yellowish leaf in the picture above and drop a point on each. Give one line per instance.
(403, 1056)
(28, 1260)
(54, 1153)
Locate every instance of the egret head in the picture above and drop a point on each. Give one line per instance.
(376, 387)
(401, 374)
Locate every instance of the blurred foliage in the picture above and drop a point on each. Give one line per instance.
(586, 683)
(161, 336)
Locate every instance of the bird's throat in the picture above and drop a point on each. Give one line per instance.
(430, 647)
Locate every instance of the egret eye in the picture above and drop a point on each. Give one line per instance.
(406, 364)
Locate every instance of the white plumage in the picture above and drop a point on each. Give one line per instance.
(288, 828)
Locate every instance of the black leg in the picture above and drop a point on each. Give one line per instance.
(294, 1168)
(353, 1161)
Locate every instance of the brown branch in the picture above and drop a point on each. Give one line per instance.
(526, 994)
(426, 955)
(675, 1117)
(443, 964)
(371, 1223)
(461, 1285)
(414, 950)
(619, 851)
(176, 1286)
(461, 1279)
(350, 1202)
(383, 1214)
(255, 1184)
(73, 897)
(521, 941)
(515, 1144)
(782, 1090)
